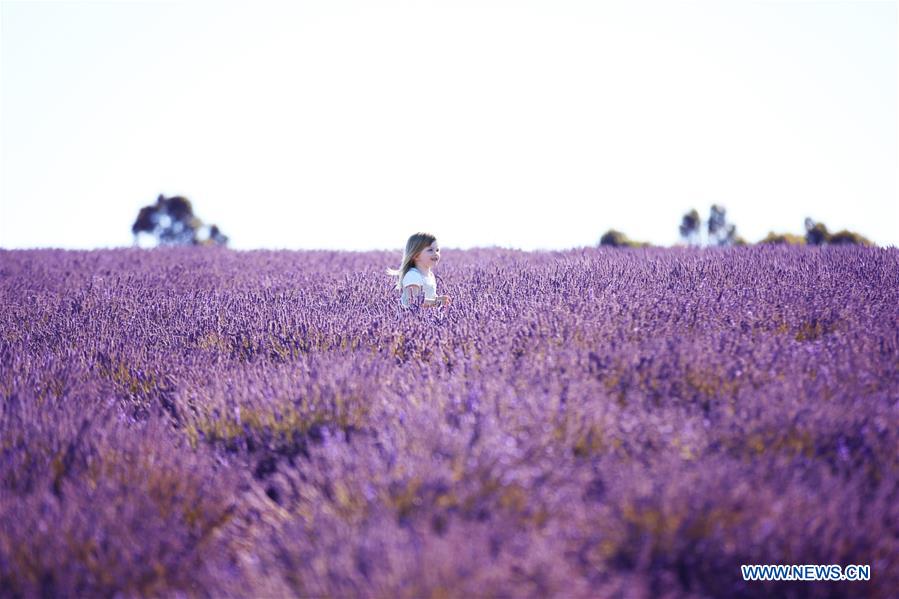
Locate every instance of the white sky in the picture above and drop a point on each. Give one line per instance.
(350, 125)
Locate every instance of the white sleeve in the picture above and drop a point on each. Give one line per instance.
(412, 278)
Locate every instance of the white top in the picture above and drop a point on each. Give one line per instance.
(427, 283)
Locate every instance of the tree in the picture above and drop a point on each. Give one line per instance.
(718, 231)
(817, 234)
(171, 221)
(613, 238)
(783, 239)
(690, 228)
(721, 232)
(845, 237)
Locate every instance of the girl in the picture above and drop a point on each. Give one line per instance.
(414, 275)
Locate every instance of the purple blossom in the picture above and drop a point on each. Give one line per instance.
(585, 423)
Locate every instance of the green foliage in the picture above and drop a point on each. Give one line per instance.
(614, 238)
(817, 234)
(783, 239)
(845, 237)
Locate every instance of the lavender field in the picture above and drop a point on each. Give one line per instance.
(589, 423)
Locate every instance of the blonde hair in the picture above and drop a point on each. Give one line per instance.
(416, 244)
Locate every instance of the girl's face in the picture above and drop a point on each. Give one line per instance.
(428, 257)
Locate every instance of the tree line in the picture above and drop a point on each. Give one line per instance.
(717, 231)
(171, 222)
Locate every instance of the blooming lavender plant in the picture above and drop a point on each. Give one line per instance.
(585, 423)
